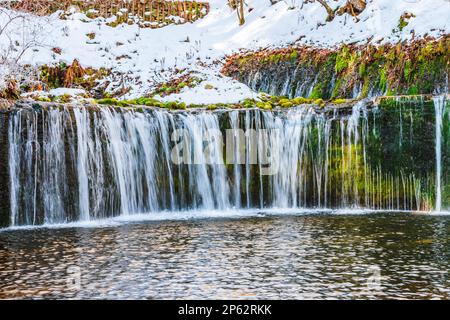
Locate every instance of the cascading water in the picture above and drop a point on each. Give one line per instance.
(77, 163)
(83, 133)
(439, 104)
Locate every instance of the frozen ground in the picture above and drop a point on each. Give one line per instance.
(142, 58)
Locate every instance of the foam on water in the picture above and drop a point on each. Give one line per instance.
(193, 215)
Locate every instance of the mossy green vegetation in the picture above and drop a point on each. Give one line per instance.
(148, 102)
(404, 20)
(177, 84)
(113, 102)
(417, 67)
(264, 102)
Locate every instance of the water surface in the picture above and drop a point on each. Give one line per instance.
(307, 256)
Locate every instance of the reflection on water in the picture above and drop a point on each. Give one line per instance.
(285, 257)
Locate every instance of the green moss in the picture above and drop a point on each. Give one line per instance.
(170, 105)
(181, 85)
(145, 102)
(427, 52)
(403, 21)
(276, 99)
(407, 70)
(44, 99)
(108, 101)
(339, 101)
(274, 58)
(391, 54)
(336, 89)
(285, 103)
(267, 106)
(301, 100)
(260, 104)
(181, 106)
(65, 98)
(413, 90)
(382, 84)
(388, 68)
(248, 103)
(174, 105)
(317, 91)
(176, 85)
(319, 102)
(365, 88)
(113, 102)
(294, 55)
(362, 69)
(264, 105)
(390, 92)
(342, 59)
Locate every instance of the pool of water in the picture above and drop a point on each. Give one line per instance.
(259, 256)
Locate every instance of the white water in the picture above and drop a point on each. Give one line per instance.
(439, 103)
(83, 132)
(193, 215)
(73, 165)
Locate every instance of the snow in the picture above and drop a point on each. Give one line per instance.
(57, 92)
(67, 91)
(156, 54)
(215, 88)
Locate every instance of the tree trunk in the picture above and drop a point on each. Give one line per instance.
(352, 7)
(358, 6)
(240, 12)
(328, 8)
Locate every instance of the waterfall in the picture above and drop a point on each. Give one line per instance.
(290, 143)
(14, 165)
(439, 103)
(83, 163)
(83, 133)
(236, 138)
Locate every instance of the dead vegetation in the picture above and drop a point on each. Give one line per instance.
(69, 76)
(351, 7)
(147, 13)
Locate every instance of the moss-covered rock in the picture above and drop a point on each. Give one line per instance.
(418, 67)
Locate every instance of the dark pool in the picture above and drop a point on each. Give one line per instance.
(317, 256)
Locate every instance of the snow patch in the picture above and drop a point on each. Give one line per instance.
(156, 54)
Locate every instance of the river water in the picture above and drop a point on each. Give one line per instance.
(246, 255)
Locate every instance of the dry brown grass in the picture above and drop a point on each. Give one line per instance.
(74, 71)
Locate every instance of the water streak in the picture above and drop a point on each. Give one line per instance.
(439, 103)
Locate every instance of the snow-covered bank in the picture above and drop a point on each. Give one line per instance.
(141, 58)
